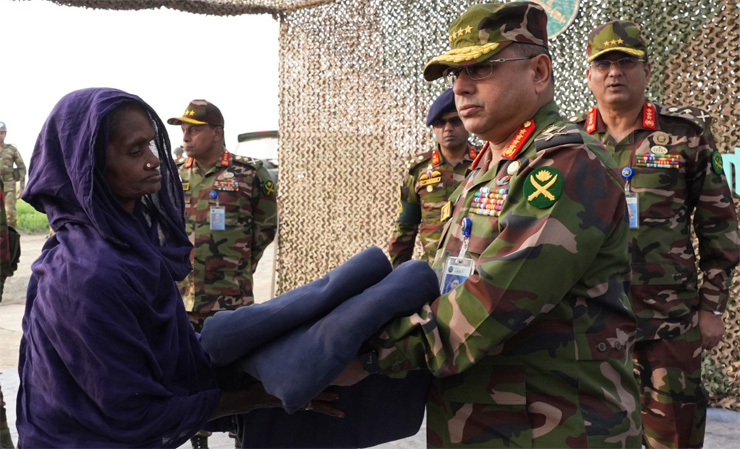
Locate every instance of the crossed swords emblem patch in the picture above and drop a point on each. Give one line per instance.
(543, 187)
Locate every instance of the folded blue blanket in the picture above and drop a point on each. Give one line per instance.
(231, 334)
(299, 365)
(296, 344)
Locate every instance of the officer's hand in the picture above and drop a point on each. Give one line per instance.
(354, 373)
(711, 327)
(322, 404)
(19, 193)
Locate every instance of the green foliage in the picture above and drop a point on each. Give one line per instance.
(30, 220)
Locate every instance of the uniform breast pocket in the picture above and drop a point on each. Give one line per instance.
(231, 202)
(659, 190)
(483, 232)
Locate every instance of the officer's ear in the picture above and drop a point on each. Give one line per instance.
(542, 67)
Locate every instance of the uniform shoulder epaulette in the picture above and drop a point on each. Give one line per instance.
(580, 118)
(696, 116)
(11, 146)
(245, 160)
(560, 134)
(414, 161)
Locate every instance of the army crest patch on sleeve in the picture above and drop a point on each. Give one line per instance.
(717, 164)
(543, 187)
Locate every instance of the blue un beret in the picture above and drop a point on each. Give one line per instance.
(442, 105)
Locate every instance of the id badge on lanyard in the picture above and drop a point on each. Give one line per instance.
(633, 200)
(457, 269)
(218, 214)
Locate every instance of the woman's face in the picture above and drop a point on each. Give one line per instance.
(133, 167)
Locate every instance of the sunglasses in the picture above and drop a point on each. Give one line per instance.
(441, 123)
(604, 65)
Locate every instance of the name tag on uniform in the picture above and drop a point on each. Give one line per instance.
(218, 218)
(426, 182)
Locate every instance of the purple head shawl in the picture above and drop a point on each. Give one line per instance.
(108, 357)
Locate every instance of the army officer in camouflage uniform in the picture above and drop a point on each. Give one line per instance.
(431, 178)
(231, 215)
(533, 348)
(672, 171)
(12, 170)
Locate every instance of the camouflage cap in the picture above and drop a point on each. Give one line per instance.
(199, 112)
(484, 30)
(2, 127)
(617, 35)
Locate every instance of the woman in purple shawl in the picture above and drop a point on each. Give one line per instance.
(108, 358)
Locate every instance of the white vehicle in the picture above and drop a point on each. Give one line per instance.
(262, 145)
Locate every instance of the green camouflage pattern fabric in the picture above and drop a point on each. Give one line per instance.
(12, 170)
(674, 402)
(224, 261)
(484, 30)
(6, 442)
(666, 293)
(421, 204)
(534, 349)
(617, 35)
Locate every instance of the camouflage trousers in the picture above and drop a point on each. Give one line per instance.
(5, 441)
(673, 399)
(10, 202)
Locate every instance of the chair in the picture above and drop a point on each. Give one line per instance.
(730, 161)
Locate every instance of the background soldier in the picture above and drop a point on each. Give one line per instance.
(533, 348)
(12, 169)
(431, 179)
(673, 172)
(178, 155)
(231, 210)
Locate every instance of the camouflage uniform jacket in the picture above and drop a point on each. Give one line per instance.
(677, 174)
(533, 349)
(12, 167)
(223, 261)
(426, 189)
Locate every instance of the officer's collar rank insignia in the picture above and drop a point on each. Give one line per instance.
(717, 162)
(543, 187)
(519, 139)
(648, 116)
(185, 186)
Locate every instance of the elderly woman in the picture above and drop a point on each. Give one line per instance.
(108, 357)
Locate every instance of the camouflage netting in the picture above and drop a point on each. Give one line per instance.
(353, 104)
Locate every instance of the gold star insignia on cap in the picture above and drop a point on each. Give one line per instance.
(189, 112)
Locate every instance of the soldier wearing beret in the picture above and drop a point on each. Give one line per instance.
(430, 180)
(671, 171)
(12, 170)
(533, 348)
(231, 210)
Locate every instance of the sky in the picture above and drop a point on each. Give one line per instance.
(166, 57)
